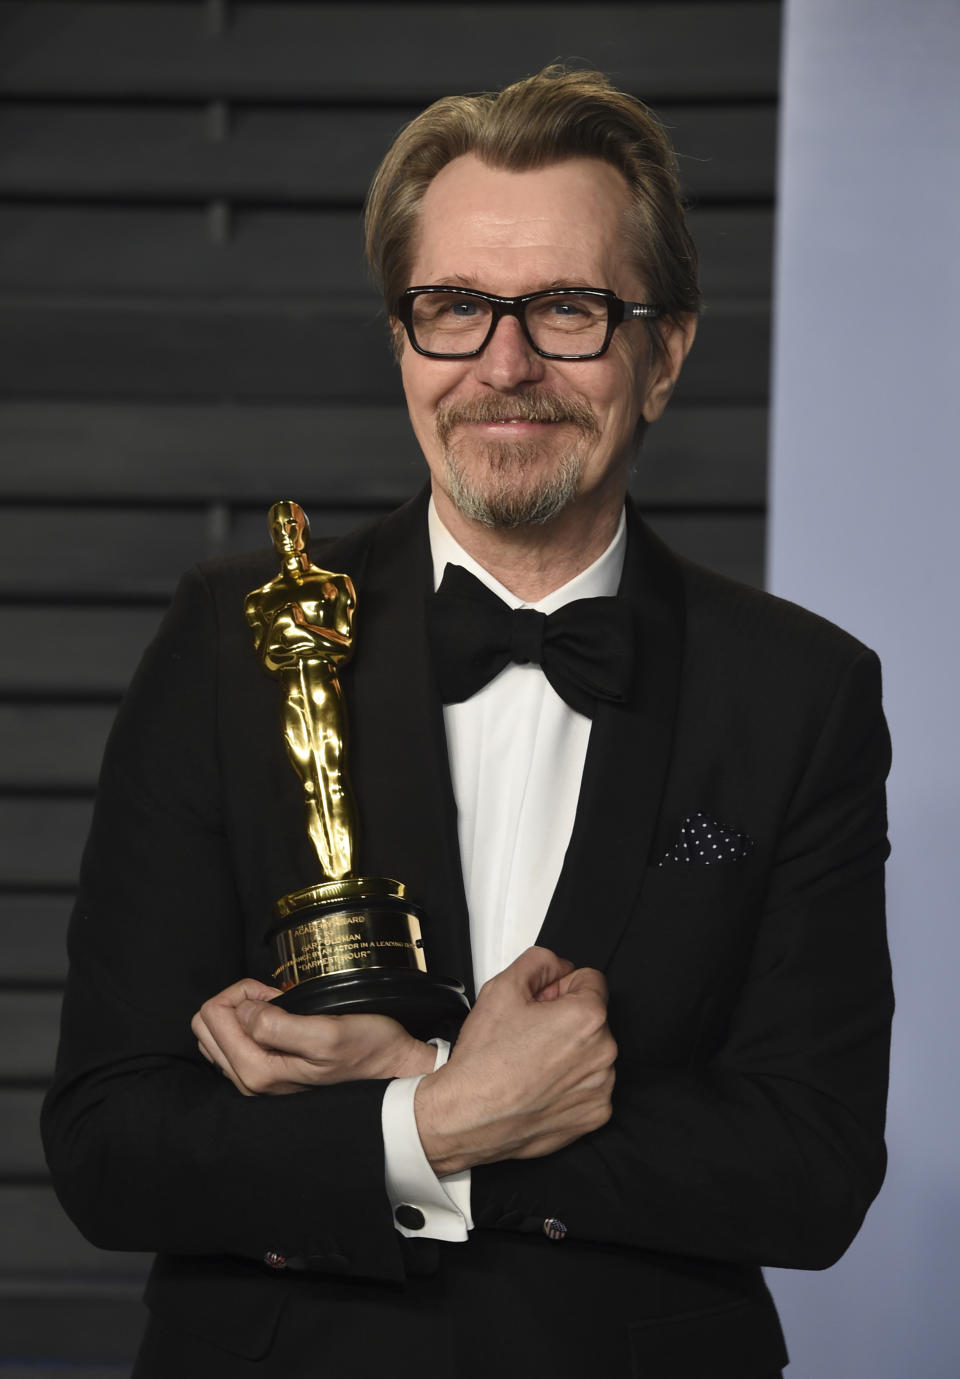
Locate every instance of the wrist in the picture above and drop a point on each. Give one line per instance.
(418, 1060)
(440, 1144)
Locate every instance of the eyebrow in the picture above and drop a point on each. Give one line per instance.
(471, 284)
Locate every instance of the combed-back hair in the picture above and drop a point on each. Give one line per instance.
(541, 120)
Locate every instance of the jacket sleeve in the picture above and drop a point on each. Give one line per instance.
(768, 1148)
(149, 1148)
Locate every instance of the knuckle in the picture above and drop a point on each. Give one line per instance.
(256, 1082)
(207, 1011)
(604, 1112)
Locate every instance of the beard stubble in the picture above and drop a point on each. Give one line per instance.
(509, 484)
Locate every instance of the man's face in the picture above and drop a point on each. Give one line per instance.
(512, 438)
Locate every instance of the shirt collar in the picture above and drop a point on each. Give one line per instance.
(599, 580)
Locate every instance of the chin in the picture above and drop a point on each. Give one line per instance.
(509, 485)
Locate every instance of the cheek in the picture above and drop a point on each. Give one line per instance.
(426, 382)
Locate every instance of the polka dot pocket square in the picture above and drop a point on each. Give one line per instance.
(704, 842)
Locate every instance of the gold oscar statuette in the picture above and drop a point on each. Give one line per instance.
(349, 943)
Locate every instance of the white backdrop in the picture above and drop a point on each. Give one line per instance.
(865, 528)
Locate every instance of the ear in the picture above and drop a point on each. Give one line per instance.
(397, 336)
(677, 335)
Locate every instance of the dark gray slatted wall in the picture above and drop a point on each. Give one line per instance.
(186, 334)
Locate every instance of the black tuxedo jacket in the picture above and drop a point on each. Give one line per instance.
(750, 999)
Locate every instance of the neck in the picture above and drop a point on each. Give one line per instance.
(296, 565)
(532, 561)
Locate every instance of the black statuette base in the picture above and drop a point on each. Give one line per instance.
(427, 1006)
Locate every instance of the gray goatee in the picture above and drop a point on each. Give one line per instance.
(494, 493)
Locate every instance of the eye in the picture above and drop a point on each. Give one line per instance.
(448, 308)
(570, 307)
(463, 309)
(570, 312)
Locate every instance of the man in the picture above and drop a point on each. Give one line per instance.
(684, 1079)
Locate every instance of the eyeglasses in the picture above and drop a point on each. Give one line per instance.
(561, 323)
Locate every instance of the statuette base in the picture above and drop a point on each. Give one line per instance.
(354, 947)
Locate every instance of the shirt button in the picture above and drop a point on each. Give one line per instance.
(410, 1217)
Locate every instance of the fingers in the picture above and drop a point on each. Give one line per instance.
(532, 972)
(247, 989)
(264, 1049)
(584, 981)
(224, 1042)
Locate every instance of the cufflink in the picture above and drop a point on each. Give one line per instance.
(275, 1260)
(554, 1229)
(410, 1217)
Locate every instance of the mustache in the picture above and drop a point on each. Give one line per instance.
(525, 407)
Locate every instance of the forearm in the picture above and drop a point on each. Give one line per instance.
(712, 1166)
(160, 1154)
(769, 1148)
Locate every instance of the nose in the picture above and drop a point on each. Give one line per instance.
(509, 360)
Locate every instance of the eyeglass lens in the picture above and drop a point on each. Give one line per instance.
(455, 323)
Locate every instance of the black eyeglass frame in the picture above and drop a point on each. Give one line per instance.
(618, 311)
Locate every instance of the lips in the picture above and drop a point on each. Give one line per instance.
(537, 408)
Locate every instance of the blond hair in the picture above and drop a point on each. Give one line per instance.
(541, 120)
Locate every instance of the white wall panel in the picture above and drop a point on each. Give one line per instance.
(865, 511)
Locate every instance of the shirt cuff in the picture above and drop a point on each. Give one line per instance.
(443, 1203)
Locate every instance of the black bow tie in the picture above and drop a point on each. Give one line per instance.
(586, 648)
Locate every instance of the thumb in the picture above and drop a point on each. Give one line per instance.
(535, 970)
(584, 981)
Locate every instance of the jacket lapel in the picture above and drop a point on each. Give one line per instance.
(399, 767)
(397, 751)
(625, 770)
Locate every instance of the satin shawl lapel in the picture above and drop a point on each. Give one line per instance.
(398, 761)
(625, 770)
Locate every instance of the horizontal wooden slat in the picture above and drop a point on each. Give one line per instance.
(105, 558)
(83, 651)
(139, 250)
(21, 1153)
(326, 156)
(49, 1247)
(41, 840)
(130, 451)
(729, 542)
(126, 552)
(33, 936)
(52, 745)
(732, 544)
(105, 552)
(323, 51)
(173, 249)
(322, 454)
(29, 1031)
(700, 456)
(306, 351)
(123, 552)
(160, 349)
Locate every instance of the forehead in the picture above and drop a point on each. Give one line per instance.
(514, 232)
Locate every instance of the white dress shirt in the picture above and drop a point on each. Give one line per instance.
(516, 755)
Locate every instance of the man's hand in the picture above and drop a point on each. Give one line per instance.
(266, 1051)
(531, 1071)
